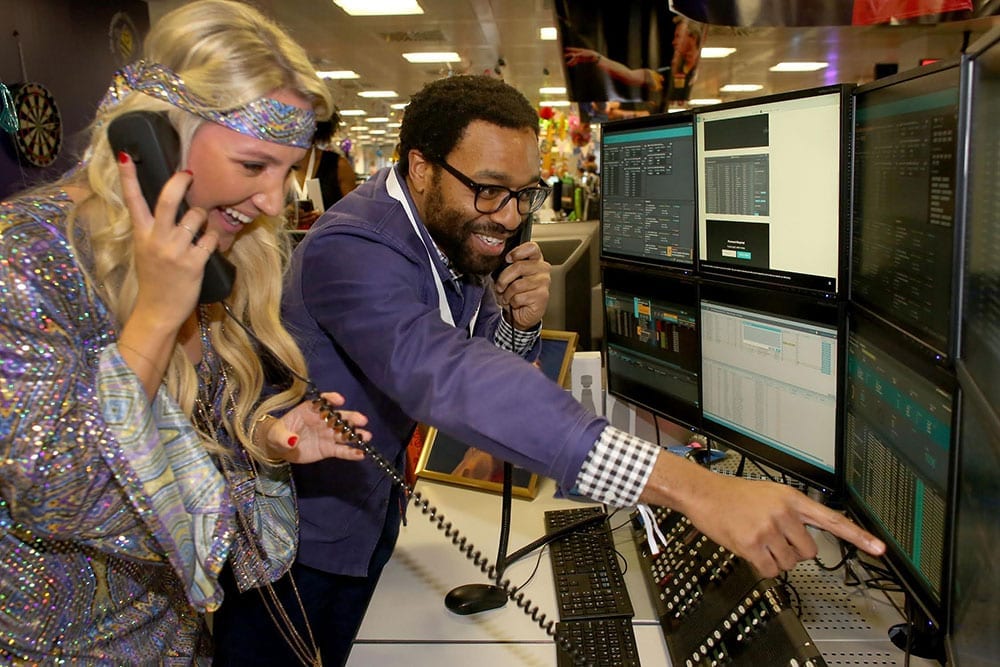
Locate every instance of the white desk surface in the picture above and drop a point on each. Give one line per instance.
(407, 619)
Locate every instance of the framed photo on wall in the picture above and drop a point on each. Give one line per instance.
(447, 459)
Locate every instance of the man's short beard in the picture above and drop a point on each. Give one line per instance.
(451, 231)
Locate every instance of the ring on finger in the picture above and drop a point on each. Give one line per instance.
(202, 246)
(190, 231)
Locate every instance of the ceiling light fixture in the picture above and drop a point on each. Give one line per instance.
(432, 57)
(398, 105)
(552, 90)
(380, 7)
(554, 103)
(378, 93)
(698, 102)
(352, 112)
(337, 74)
(716, 51)
(379, 119)
(798, 67)
(547, 34)
(740, 88)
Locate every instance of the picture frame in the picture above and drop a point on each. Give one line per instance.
(446, 459)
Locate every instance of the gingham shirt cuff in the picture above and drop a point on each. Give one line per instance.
(617, 468)
(523, 340)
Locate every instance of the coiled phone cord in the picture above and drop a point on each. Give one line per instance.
(335, 421)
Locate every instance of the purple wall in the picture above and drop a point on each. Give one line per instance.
(66, 47)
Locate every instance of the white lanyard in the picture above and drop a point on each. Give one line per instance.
(300, 190)
(395, 191)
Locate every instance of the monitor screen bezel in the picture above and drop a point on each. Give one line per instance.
(953, 335)
(623, 277)
(930, 367)
(836, 285)
(824, 311)
(655, 121)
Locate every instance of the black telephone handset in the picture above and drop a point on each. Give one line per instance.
(153, 144)
(523, 235)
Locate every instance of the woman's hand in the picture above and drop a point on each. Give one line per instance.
(169, 267)
(169, 270)
(577, 56)
(303, 436)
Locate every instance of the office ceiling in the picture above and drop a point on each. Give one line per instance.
(488, 32)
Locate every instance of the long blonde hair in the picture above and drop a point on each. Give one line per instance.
(228, 55)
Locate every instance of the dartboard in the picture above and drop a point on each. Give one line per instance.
(39, 136)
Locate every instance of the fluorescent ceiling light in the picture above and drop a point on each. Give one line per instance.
(547, 34)
(716, 51)
(378, 93)
(676, 109)
(554, 103)
(377, 132)
(798, 67)
(379, 7)
(352, 112)
(740, 88)
(378, 119)
(398, 105)
(394, 125)
(338, 74)
(552, 90)
(703, 101)
(359, 128)
(432, 57)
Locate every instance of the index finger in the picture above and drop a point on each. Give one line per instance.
(839, 525)
(139, 211)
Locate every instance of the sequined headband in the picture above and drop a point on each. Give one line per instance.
(263, 118)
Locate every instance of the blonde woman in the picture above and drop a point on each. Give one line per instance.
(145, 443)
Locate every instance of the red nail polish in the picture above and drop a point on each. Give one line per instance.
(293, 440)
(188, 172)
(123, 157)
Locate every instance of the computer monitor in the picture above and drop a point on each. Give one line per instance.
(770, 368)
(980, 345)
(906, 187)
(772, 188)
(647, 190)
(652, 345)
(973, 639)
(900, 407)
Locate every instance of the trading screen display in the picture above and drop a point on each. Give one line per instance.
(905, 172)
(651, 329)
(770, 182)
(981, 297)
(647, 190)
(897, 454)
(770, 380)
(976, 573)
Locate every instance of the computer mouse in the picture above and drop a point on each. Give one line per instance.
(474, 598)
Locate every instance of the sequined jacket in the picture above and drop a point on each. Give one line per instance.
(114, 520)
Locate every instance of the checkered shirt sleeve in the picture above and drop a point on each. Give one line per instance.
(617, 468)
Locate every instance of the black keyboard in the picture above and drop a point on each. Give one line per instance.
(588, 579)
(599, 642)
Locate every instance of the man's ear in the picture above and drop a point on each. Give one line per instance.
(420, 171)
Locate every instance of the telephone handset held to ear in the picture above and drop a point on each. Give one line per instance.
(153, 144)
(523, 235)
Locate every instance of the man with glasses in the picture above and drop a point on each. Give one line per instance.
(391, 300)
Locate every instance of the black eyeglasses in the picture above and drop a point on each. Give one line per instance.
(492, 198)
